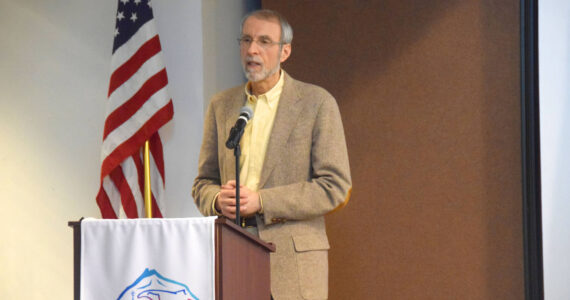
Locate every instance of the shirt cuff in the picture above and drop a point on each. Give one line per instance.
(260, 204)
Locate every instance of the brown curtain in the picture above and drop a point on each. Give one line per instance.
(429, 95)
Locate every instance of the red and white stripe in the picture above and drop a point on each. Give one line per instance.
(138, 106)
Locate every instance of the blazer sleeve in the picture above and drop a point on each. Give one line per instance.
(329, 183)
(207, 183)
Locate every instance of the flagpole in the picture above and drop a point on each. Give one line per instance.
(147, 190)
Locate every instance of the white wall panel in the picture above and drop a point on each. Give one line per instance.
(554, 79)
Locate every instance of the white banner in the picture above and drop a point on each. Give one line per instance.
(166, 259)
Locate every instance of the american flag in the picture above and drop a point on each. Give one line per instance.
(138, 106)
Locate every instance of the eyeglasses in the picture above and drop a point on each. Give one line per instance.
(263, 41)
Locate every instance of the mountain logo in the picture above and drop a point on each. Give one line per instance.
(153, 286)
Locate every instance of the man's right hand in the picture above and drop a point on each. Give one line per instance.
(226, 201)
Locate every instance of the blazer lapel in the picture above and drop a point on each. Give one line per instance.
(285, 118)
(232, 111)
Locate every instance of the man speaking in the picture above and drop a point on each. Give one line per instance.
(293, 164)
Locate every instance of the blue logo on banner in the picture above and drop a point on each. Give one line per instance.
(152, 285)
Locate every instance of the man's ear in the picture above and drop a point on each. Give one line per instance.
(285, 52)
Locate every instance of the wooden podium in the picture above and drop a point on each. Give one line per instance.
(241, 262)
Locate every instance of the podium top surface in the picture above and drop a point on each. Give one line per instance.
(220, 221)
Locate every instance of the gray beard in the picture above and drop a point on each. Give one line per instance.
(261, 75)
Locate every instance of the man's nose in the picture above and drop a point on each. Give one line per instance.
(253, 47)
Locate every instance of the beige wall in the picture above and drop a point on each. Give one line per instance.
(52, 82)
(429, 95)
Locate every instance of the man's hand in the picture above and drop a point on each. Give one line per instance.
(226, 202)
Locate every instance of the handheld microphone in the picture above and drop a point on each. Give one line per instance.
(245, 114)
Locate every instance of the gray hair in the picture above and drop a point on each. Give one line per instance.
(267, 14)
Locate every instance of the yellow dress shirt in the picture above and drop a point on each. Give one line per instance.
(256, 134)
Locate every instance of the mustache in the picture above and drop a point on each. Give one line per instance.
(254, 59)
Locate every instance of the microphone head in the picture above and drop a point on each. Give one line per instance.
(247, 112)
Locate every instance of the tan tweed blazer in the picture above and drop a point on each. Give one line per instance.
(305, 175)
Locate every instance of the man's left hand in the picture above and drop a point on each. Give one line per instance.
(248, 199)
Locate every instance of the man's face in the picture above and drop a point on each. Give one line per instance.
(262, 57)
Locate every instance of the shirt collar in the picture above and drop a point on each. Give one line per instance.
(270, 96)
